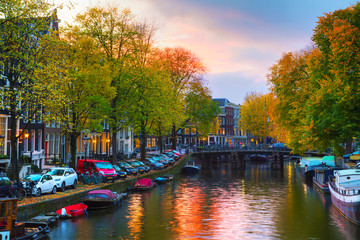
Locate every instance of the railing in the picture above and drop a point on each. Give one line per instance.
(350, 191)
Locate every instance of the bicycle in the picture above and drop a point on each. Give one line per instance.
(18, 191)
(91, 178)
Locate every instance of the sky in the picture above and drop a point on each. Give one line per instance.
(237, 40)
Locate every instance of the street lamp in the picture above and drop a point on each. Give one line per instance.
(1, 144)
(86, 143)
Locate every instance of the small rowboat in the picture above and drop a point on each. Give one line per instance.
(144, 184)
(99, 199)
(73, 211)
(163, 179)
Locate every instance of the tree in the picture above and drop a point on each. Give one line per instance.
(116, 34)
(335, 68)
(23, 25)
(80, 86)
(289, 83)
(200, 109)
(185, 70)
(254, 115)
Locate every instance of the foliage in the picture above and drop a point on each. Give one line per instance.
(254, 115)
(23, 25)
(80, 87)
(317, 89)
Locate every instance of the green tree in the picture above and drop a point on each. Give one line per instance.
(117, 34)
(185, 70)
(23, 25)
(79, 83)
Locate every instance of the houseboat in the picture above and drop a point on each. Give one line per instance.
(321, 177)
(308, 164)
(344, 188)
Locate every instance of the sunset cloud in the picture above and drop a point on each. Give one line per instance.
(238, 41)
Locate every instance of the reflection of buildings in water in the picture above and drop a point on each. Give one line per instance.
(345, 226)
(135, 215)
(188, 210)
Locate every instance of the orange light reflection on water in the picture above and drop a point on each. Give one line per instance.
(135, 216)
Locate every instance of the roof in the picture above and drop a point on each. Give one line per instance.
(109, 193)
(346, 172)
(221, 101)
(144, 182)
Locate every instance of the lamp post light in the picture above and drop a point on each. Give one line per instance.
(1, 145)
(86, 143)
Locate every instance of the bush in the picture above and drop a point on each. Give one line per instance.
(4, 157)
(35, 168)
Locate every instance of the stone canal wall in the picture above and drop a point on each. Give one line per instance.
(32, 210)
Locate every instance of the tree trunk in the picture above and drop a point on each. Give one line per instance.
(73, 138)
(160, 140)
(348, 145)
(13, 140)
(114, 145)
(142, 141)
(173, 137)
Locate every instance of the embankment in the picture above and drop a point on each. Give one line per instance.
(26, 212)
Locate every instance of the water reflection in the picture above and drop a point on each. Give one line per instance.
(219, 203)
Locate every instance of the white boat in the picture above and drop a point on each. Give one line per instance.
(344, 188)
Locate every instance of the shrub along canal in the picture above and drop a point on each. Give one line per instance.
(221, 203)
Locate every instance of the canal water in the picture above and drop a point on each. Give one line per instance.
(219, 203)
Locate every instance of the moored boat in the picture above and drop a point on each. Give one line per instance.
(308, 164)
(163, 179)
(73, 211)
(143, 184)
(344, 188)
(99, 199)
(18, 230)
(256, 158)
(190, 168)
(321, 177)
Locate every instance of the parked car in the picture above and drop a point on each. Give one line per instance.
(154, 164)
(140, 167)
(5, 186)
(170, 160)
(43, 183)
(64, 177)
(140, 163)
(119, 172)
(172, 155)
(92, 166)
(159, 160)
(128, 168)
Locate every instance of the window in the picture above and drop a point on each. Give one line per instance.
(39, 145)
(57, 144)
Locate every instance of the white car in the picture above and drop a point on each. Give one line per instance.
(44, 183)
(64, 177)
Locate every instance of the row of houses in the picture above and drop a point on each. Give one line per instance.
(45, 144)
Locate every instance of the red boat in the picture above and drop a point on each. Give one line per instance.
(144, 184)
(73, 211)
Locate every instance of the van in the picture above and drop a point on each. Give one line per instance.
(104, 168)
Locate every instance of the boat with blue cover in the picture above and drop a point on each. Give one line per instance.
(163, 179)
(308, 164)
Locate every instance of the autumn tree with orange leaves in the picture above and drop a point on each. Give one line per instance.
(185, 71)
(317, 89)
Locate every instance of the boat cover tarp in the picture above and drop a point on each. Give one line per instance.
(108, 193)
(144, 182)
